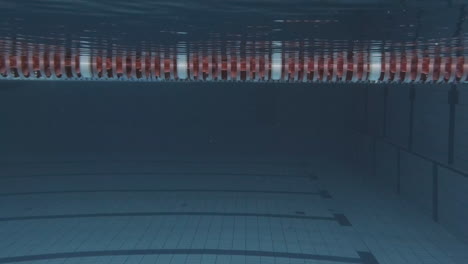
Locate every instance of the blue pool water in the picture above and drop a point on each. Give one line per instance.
(234, 132)
(335, 24)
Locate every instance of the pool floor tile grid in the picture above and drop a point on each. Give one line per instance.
(385, 227)
(157, 182)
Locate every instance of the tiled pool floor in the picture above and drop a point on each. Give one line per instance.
(217, 211)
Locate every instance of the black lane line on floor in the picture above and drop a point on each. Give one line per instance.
(364, 257)
(342, 219)
(156, 174)
(323, 193)
(21, 164)
(367, 257)
(339, 218)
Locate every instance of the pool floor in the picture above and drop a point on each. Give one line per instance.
(207, 210)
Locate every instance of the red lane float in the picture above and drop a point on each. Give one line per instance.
(257, 64)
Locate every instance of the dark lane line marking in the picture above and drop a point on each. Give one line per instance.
(323, 194)
(364, 257)
(339, 218)
(155, 174)
(298, 165)
(367, 257)
(342, 220)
